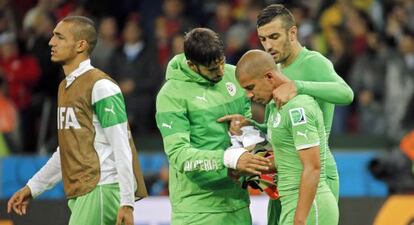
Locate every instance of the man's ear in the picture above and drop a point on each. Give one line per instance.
(293, 31)
(191, 65)
(82, 46)
(269, 76)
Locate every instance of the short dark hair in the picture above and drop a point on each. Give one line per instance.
(84, 29)
(203, 46)
(273, 12)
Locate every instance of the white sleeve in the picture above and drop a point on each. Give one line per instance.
(117, 136)
(47, 176)
(231, 157)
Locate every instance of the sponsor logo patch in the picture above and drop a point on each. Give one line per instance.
(297, 116)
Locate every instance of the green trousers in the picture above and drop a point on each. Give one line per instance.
(98, 207)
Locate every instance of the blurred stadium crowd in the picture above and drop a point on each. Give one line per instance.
(370, 42)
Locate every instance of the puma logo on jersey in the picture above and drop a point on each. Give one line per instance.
(169, 126)
(302, 134)
(67, 118)
(202, 98)
(110, 110)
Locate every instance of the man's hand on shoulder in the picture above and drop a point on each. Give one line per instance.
(284, 93)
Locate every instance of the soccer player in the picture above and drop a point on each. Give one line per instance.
(96, 157)
(200, 87)
(313, 74)
(310, 72)
(297, 134)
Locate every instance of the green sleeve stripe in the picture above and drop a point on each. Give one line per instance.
(111, 110)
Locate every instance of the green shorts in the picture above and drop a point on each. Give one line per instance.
(98, 207)
(324, 210)
(332, 179)
(238, 217)
(274, 207)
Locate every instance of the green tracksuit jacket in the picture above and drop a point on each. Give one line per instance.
(187, 109)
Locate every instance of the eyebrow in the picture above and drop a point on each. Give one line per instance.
(213, 68)
(249, 87)
(217, 65)
(272, 34)
(57, 33)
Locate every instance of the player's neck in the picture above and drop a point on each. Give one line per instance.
(73, 64)
(296, 47)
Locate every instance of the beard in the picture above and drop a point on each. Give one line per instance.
(214, 80)
(286, 51)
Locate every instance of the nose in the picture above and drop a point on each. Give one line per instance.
(267, 45)
(220, 72)
(51, 41)
(250, 94)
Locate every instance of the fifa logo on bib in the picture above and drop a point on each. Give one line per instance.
(67, 118)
